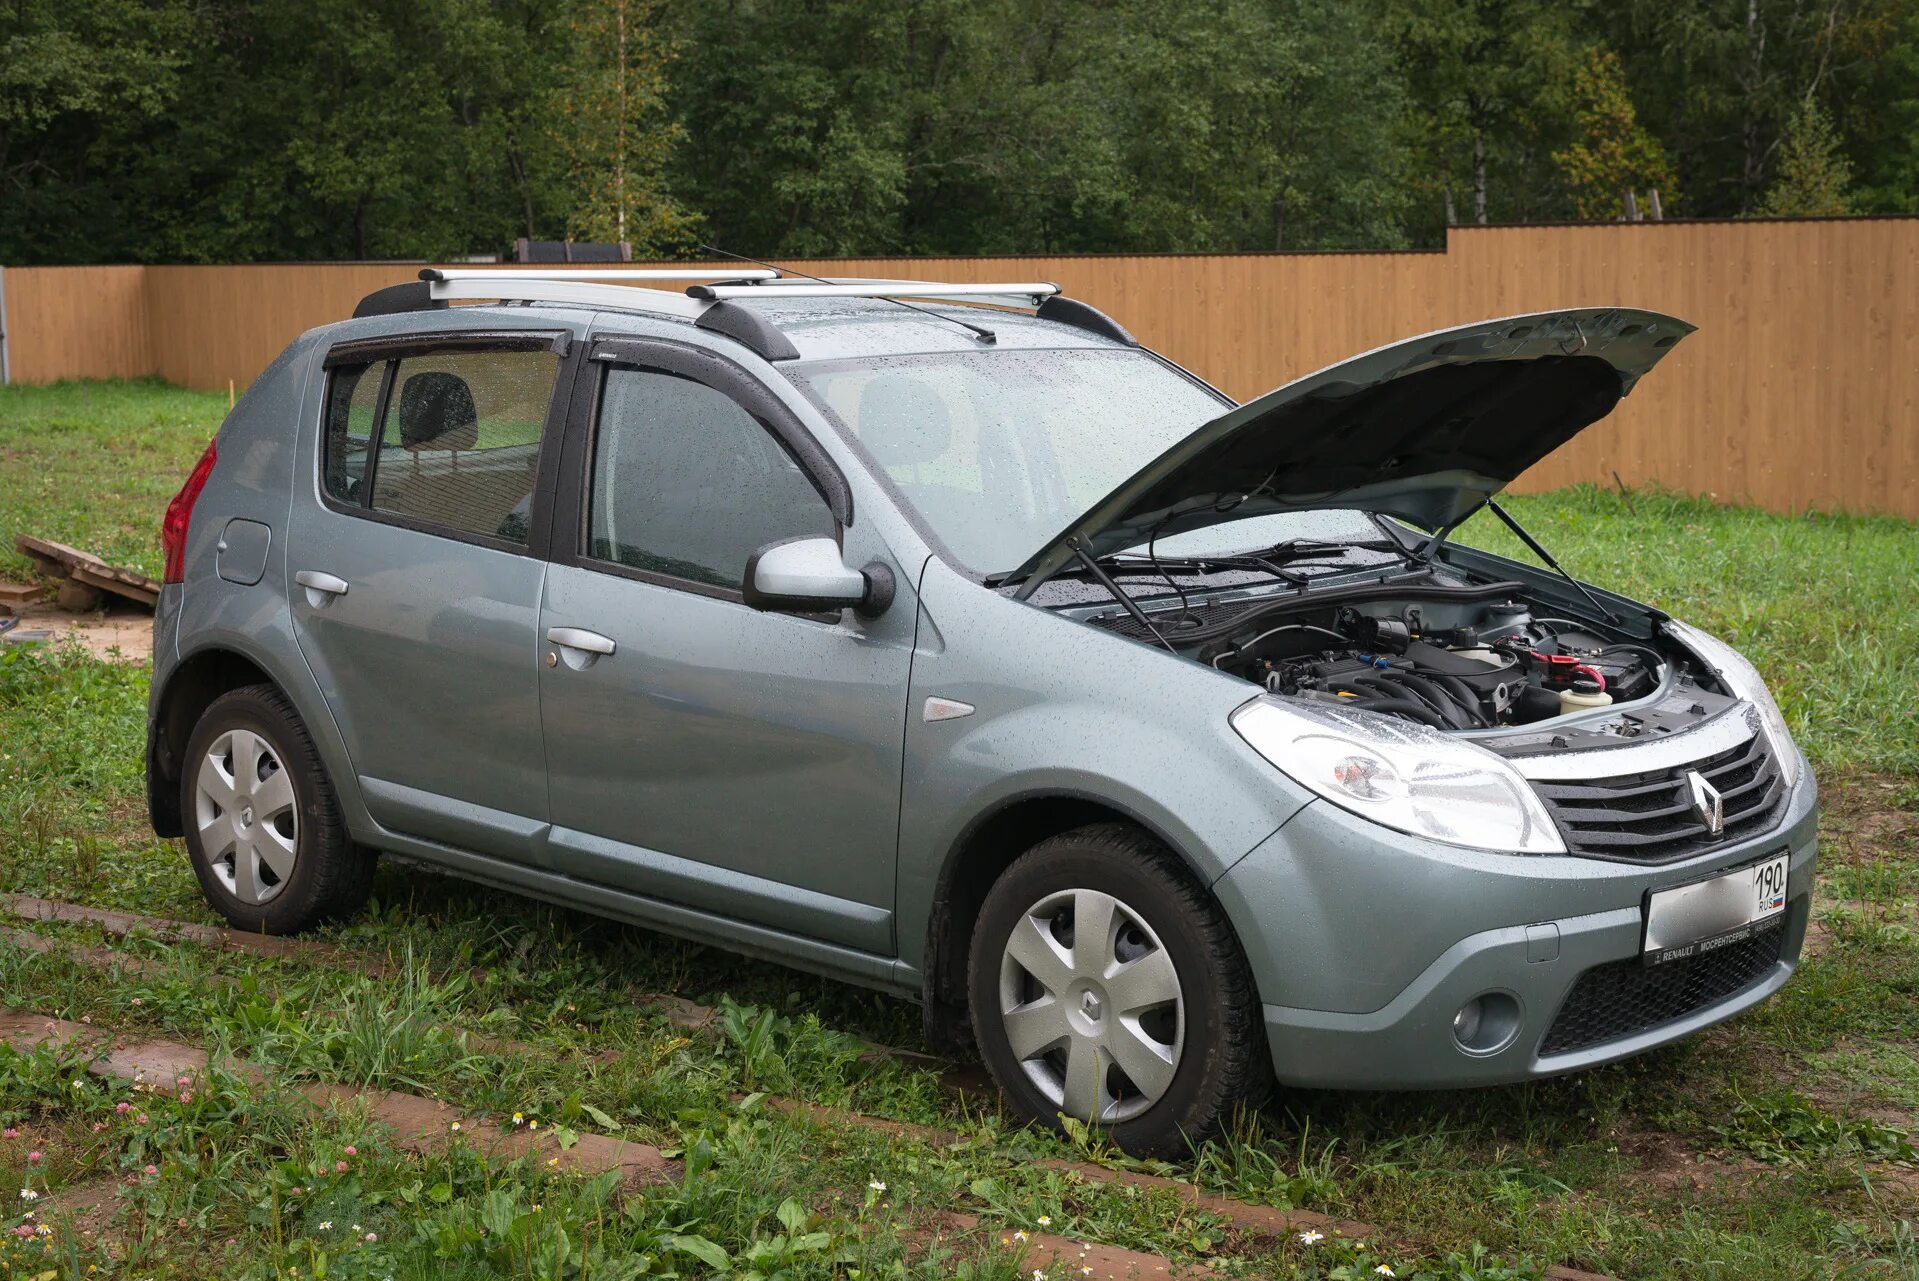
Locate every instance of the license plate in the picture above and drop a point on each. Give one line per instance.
(1692, 920)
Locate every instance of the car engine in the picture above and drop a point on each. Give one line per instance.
(1500, 667)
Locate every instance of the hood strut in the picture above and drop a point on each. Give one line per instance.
(1543, 554)
(1098, 571)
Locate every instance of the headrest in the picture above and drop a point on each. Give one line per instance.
(903, 422)
(436, 412)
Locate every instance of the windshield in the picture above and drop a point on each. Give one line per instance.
(1000, 451)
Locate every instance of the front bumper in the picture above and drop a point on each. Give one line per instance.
(1365, 943)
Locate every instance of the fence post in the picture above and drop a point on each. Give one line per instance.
(6, 360)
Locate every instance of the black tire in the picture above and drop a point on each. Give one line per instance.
(1224, 1062)
(331, 877)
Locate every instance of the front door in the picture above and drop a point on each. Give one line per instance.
(415, 582)
(700, 752)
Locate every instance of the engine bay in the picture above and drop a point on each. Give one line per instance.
(1457, 656)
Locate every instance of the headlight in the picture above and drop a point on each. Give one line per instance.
(1743, 680)
(1399, 774)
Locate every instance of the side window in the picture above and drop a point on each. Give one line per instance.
(353, 397)
(687, 483)
(450, 438)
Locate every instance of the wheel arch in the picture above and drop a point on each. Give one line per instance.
(986, 847)
(189, 688)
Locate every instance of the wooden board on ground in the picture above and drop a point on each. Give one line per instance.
(20, 593)
(61, 561)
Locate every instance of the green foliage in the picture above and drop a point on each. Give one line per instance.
(613, 132)
(167, 130)
(1611, 152)
(1813, 175)
(1787, 1128)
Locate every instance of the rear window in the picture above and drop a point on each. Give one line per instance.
(457, 445)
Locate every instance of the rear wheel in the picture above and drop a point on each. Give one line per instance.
(1106, 985)
(263, 827)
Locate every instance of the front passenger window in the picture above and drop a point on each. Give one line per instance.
(688, 484)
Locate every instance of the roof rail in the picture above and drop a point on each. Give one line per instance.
(539, 286)
(787, 288)
(597, 273)
(707, 304)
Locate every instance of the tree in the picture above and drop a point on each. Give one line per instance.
(1812, 174)
(614, 131)
(73, 73)
(1612, 153)
(1485, 81)
(1723, 79)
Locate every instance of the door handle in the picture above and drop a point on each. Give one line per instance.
(579, 647)
(320, 588)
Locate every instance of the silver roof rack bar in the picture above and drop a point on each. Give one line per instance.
(599, 273)
(882, 289)
(536, 289)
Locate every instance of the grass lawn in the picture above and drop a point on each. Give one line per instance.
(1775, 1146)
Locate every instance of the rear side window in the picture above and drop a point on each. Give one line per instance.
(688, 484)
(447, 439)
(353, 398)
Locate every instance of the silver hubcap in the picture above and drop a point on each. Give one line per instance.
(1091, 1005)
(248, 823)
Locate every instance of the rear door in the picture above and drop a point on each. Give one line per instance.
(700, 752)
(416, 553)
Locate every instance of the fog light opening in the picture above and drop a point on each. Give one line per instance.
(1486, 1024)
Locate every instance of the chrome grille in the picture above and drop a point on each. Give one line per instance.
(1649, 817)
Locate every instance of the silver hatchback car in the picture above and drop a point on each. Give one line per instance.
(1162, 747)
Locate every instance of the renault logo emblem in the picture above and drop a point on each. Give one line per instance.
(1706, 803)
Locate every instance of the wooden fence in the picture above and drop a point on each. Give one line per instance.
(1800, 390)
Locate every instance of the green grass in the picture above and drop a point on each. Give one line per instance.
(92, 465)
(1776, 1146)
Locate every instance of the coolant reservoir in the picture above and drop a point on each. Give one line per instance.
(1582, 695)
(1484, 654)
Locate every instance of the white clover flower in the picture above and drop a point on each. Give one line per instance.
(1310, 1237)
(326, 1225)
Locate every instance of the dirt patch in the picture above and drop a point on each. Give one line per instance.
(1869, 816)
(1667, 1162)
(117, 633)
(87, 1210)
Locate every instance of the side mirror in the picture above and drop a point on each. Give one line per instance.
(808, 576)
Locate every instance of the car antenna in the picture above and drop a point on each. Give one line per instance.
(980, 332)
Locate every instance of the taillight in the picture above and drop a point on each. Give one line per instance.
(173, 528)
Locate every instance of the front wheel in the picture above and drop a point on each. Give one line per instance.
(263, 828)
(1106, 985)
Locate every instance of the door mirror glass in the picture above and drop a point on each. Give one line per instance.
(803, 576)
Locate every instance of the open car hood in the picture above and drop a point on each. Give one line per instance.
(1425, 429)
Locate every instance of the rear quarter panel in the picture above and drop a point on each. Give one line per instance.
(259, 446)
